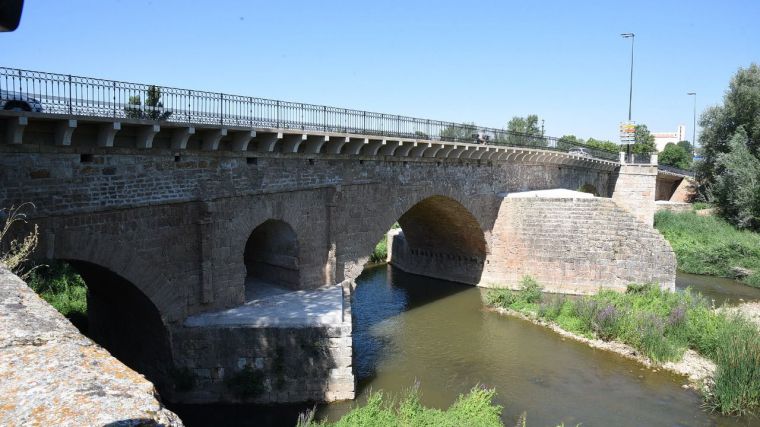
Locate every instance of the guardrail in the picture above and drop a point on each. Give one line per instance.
(87, 96)
(677, 171)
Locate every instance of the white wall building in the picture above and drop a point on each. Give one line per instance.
(661, 139)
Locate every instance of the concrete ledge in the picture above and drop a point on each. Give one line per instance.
(53, 375)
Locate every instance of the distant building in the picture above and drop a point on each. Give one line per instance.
(661, 139)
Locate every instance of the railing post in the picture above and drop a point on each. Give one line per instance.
(189, 107)
(250, 110)
(70, 106)
(277, 114)
(221, 109)
(114, 100)
(324, 118)
(364, 122)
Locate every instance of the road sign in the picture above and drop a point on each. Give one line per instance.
(627, 132)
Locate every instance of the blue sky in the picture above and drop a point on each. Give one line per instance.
(481, 61)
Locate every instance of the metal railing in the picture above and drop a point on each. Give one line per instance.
(677, 171)
(87, 96)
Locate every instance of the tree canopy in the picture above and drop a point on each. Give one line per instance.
(675, 155)
(729, 172)
(526, 125)
(643, 141)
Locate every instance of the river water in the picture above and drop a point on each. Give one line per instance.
(410, 329)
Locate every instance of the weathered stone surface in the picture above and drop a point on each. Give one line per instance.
(52, 375)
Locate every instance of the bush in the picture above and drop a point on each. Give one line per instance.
(61, 286)
(476, 408)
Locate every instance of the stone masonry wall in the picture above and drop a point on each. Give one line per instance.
(575, 246)
(54, 376)
(284, 364)
(634, 190)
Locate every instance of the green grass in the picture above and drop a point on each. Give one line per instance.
(709, 245)
(62, 287)
(662, 325)
(475, 408)
(380, 254)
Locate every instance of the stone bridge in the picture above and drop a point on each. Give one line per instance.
(180, 233)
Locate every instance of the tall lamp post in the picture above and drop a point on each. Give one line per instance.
(694, 128)
(630, 92)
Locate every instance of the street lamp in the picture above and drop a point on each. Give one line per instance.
(694, 128)
(630, 93)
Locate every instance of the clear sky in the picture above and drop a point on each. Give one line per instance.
(481, 61)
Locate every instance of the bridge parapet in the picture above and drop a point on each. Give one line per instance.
(85, 97)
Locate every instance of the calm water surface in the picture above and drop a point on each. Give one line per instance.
(409, 328)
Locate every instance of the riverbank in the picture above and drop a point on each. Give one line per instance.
(708, 245)
(678, 331)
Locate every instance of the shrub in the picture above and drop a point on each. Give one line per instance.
(475, 408)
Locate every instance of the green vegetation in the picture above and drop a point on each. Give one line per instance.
(675, 155)
(591, 142)
(380, 253)
(61, 286)
(729, 173)
(660, 324)
(476, 408)
(643, 140)
(710, 245)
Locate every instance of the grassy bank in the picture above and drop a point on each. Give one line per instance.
(473, 409)
(709, 245)
(661, 325)
(63, 288)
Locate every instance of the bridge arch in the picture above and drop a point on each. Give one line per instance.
(439, 237)
(271, 256)
(589, 188)
(124, 321)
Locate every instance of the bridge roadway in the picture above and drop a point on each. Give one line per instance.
(167, 222)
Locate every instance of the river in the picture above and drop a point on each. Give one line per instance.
(411, 329)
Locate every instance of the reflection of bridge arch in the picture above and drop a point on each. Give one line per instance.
(271, 255)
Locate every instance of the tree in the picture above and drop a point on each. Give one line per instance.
(525, 125)
(643, 141)
(603, 144)
(154, 109)
(675, 155)
(686, 145)
(571, 140)
(735, 190)
(459, 132)
(741, 108)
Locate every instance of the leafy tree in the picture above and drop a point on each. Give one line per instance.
(741, 108)
(686, 145)
(603, 144)
(525, 125)
(735, 190)
(571, 139)
(459, 132)
(675, 155)
(643, 141)
(154, 109)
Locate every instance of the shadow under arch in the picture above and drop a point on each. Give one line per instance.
(271, 256)
(440, 238)
(589, 188)
(124, 321)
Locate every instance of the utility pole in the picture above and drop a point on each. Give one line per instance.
(694, 124)
(630, 91)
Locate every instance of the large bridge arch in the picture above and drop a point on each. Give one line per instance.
(124, 321)
(439, 228)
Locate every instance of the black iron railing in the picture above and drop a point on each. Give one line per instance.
(87, 96)
(675, 170)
